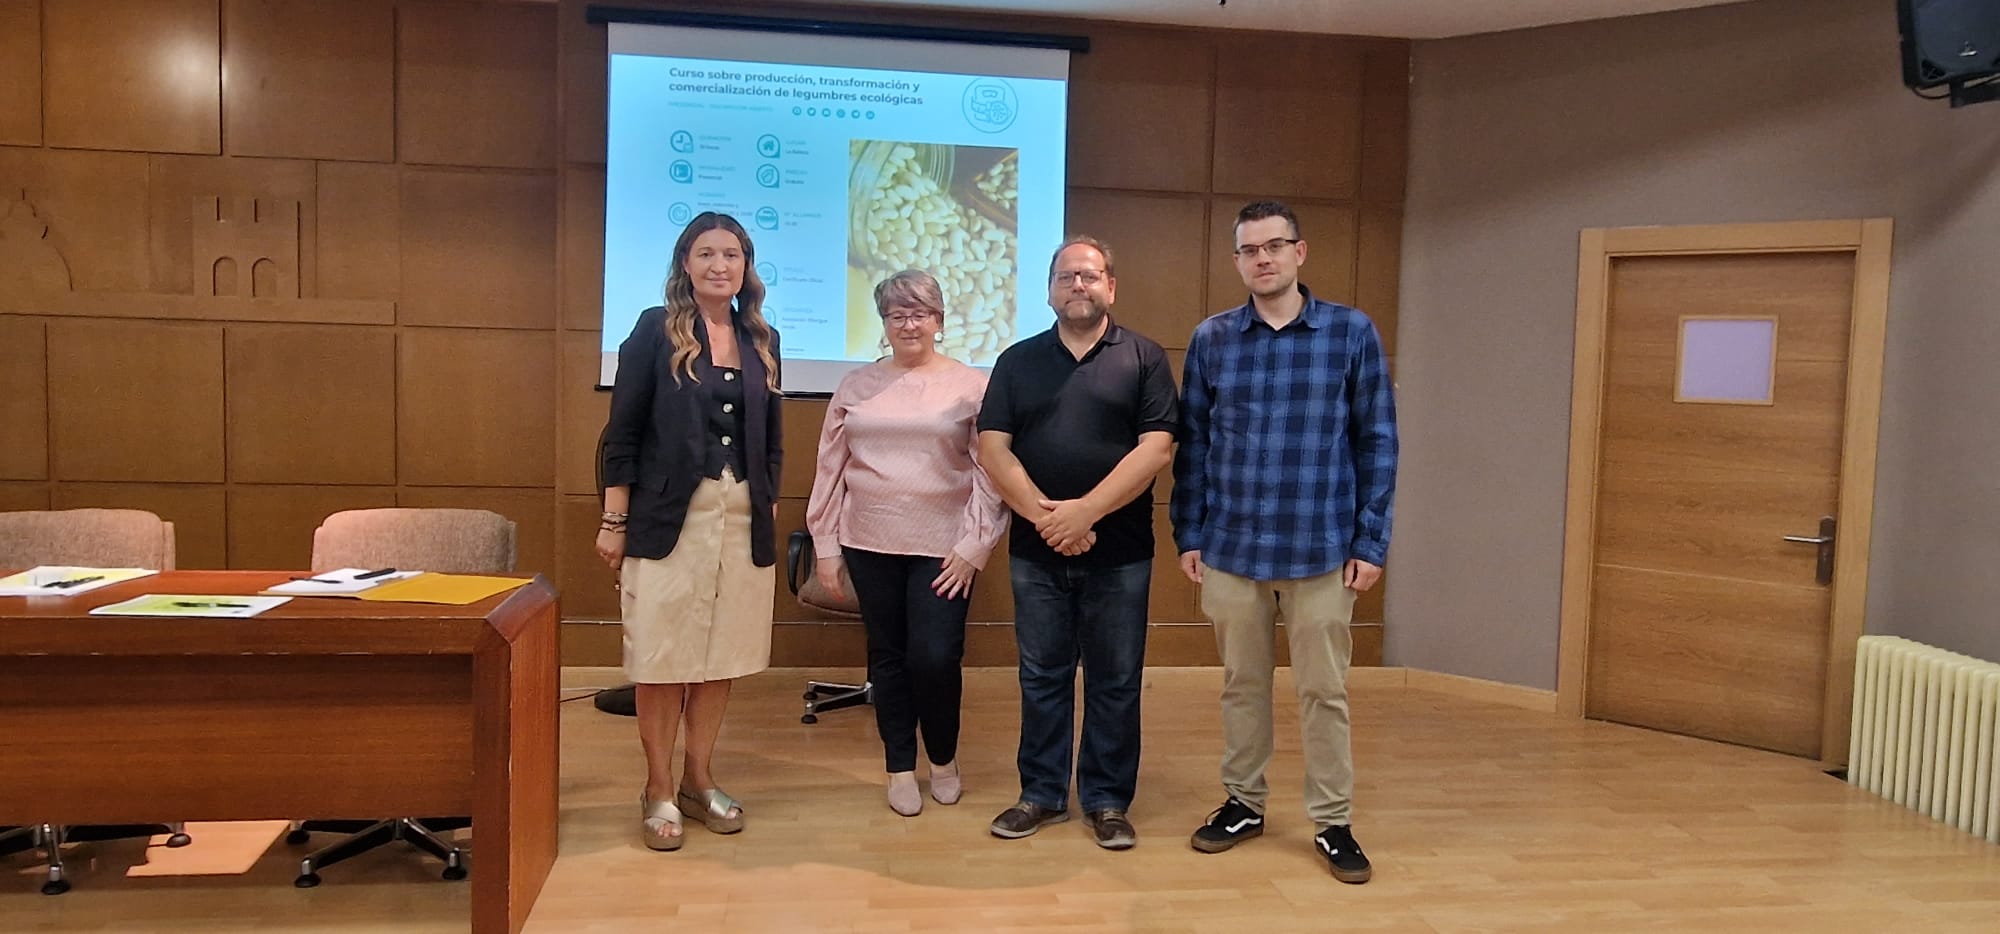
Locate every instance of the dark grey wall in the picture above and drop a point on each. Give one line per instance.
(1765, 111)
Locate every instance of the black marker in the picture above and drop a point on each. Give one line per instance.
(363, 577)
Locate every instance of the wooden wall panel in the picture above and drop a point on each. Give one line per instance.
(583, 248)
(478, 250)
(1378, 262)
(196, 510)
(1328, 230)
(1385, 122)
(24, 399)
(476, 408)
(23, 496)
(586, 65)
(310, 79)
(477, 84)
(1158, 88)
(359, 235)
(138, 75)
(1173, 595)
(94, 206)
(993, 589)
(271, 527)
(136, 400)
(1288, 116)
(311, 404)
(177, 181)
(533, 512)
(585, 581)
(803, 420)
(20, 72)
(1157, 242)
(582, 416)
(1368, 606)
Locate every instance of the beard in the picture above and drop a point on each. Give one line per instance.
(1085, 311)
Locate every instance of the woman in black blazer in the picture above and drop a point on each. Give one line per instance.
(691, 458)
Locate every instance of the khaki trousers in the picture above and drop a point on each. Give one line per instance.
(1316, 611)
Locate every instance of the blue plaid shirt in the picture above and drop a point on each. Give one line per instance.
(1287, 460)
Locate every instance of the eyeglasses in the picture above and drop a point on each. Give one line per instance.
(1253, 250)
(903, 319)
(1085, 276)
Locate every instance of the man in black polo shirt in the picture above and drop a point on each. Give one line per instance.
(1076, 423)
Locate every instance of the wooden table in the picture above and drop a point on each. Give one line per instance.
(320, 708)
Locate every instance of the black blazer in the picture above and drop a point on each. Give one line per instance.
(654, 441)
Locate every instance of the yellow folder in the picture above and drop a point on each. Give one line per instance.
(453, 589)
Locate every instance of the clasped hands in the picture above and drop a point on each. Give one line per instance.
(1066, 526)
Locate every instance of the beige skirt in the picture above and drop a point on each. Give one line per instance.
(703, 612)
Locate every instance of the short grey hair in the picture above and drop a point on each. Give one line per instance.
(913, 287)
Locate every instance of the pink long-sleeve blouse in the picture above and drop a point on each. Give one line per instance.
(898, 466)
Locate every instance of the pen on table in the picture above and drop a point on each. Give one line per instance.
(75, 581)
(194, 604)
(369, 574)
(317, 580)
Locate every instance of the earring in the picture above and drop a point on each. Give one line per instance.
(937, 338)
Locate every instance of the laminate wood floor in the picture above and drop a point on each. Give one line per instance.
(1478, 817)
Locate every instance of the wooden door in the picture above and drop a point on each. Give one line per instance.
(1722, 430)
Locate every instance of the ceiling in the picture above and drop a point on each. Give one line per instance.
(1415, 19)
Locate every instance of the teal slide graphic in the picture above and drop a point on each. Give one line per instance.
(842, 176)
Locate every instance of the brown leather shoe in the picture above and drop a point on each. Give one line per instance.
(1024, 818)
(1113, 831)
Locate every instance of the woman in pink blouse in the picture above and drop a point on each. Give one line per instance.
(899, 498)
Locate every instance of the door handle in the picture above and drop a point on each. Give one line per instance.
(1823, 573)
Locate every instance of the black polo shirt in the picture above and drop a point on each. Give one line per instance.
(1073, 421)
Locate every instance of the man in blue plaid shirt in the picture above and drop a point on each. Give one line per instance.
(1281, 506)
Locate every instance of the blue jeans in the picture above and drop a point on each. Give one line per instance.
(1064, 615)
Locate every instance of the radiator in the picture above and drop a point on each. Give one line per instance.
(1924, 730)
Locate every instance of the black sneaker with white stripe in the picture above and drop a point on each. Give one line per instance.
(1343, 855)
(1230, 824)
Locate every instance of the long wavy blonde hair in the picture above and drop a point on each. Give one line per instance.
(681, 308)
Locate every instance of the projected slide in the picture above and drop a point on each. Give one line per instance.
(950, 162)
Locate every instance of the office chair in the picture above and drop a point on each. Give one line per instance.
(452, 541)
(109, 538)
(804, 584)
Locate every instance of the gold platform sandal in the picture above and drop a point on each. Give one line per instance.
(657, 816)
(712, 808)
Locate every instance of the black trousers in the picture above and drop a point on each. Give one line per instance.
(916, 642)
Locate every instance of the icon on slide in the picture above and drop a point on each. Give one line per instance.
(841, 113)
(990, 105)
(767, 175)
(767, 218)
(680, 212)
(681, 170)
(812, 111)
(871, 115)
(796, 110)
(767, 146)
(767, 272)
(682, 141)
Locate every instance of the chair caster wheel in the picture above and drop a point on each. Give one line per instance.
(808, 718)
(306, 881)
(179, 840)
(298, 837)
(454, 873)
(55, 887)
